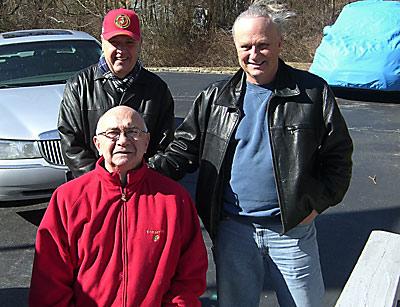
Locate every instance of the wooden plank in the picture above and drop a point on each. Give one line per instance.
(375, 280)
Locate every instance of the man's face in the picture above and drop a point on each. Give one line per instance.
(258, 45)
(121, 53)
(126, 153)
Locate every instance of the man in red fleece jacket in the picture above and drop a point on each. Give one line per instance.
(122, 234)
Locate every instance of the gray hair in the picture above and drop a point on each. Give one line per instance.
(274, 11)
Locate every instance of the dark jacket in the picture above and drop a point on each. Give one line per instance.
(88, 95)
(310, 143)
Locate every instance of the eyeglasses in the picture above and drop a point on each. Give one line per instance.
(131, 133)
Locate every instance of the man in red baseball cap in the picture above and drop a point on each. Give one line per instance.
(117, 79)
(121, 41)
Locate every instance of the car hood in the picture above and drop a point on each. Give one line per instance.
(27, 112)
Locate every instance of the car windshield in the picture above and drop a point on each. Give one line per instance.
(43, 63)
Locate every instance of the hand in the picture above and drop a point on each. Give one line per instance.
(310, 217)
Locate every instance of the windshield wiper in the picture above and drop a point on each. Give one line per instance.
(37, 83)
(6, 86)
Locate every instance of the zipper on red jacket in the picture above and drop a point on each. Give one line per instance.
(124, 232)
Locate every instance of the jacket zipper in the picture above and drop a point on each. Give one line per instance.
(238, 114)
(124, 230)
(213, 216)
(278, 187)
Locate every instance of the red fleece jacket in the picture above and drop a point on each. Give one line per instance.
(103, 245)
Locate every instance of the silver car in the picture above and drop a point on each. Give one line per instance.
(34, 66)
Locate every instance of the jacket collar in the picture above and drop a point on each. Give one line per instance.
(128, 95)
(98, 74)
(112, 179)
(141, 78)
(286, 86)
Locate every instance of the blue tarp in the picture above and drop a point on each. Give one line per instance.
(362, 48)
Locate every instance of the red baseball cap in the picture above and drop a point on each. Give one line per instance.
(121, 22)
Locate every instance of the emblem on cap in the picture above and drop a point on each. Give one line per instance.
(122, 21)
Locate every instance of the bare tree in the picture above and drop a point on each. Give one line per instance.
(176, 32)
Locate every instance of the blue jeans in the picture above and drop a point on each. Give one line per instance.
(246, 253)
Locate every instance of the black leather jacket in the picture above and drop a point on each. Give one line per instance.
(88, 95)
(310, 143)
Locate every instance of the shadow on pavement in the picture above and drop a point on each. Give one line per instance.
(342, 237)
(207, 302)
(22, 203)
(12, 297)
(33, 216)
(366, 94)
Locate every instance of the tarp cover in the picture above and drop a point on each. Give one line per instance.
(362, 48)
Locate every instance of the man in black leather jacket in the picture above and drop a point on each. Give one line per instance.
(118, 79)
(273, 151)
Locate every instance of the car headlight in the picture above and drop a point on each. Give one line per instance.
(11, 149)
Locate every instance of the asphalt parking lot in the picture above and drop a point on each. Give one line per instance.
(372, 202)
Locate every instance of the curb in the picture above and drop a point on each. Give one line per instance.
(200, 70)
(216, 70)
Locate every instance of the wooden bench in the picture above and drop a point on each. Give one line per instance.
(375, 280)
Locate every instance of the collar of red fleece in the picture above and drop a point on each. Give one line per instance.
(134, 176)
